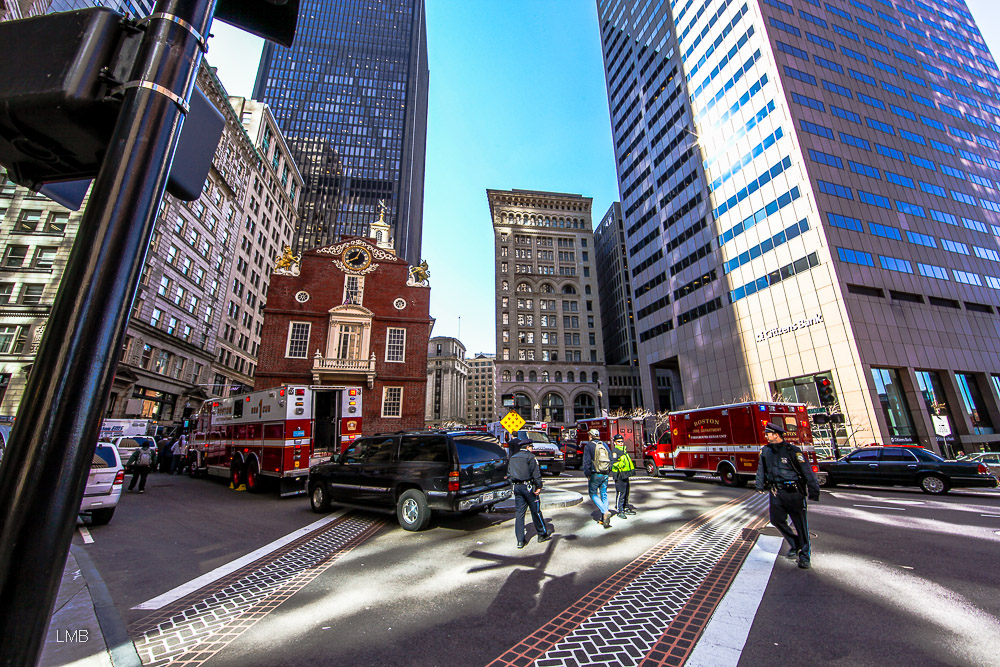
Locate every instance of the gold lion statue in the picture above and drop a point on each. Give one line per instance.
(420, 273)
(287, 259)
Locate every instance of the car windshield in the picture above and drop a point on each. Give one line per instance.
(534, 436)
(104, 457)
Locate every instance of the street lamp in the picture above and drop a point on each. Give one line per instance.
(600, 401)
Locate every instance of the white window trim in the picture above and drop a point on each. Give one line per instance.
(288, 340)
(361, 290)
(385, 391)
(402, 360)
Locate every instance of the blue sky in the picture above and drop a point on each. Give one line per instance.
(517, 100)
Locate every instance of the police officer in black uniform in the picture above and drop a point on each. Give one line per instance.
(784, 471)
(526, 476)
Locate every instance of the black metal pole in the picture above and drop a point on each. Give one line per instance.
(44, 471)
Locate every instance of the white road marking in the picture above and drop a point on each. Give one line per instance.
(995, 516)
(725, 635)
(85, 534)
(177, 593)
(880, 507)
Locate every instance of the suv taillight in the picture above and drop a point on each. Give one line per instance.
(453, 480)
(983, 470)
(120, 477)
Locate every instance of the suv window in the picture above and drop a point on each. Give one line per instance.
(380, 450)
(474, 449)
(104, 457)
(896, 454)
(864, 455)
(355, 452)
(424, 448)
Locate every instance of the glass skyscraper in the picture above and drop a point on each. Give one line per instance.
(134, 8)
(810, 189)
(351, 99)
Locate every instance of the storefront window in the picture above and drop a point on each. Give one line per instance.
(897, 414)
(929, 384)
(583, 407)
(974, 405)
(155, 404)
(522, 405)
(552, 408)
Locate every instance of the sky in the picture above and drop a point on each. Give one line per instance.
(517, 100)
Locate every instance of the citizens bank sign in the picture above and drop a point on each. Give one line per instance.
(795, 326)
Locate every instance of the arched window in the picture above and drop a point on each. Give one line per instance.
(547, 288)
(519, 376)
(583, 407)
(532, 376)
(545, 376)
(558, 376)
(506, 376)
(594, 377)
(568, 289)
(569, 376)
(522, 405)
(523, 287)
(553, 408)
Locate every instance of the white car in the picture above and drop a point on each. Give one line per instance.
(127, 444)
(990, 459)
(104, 484)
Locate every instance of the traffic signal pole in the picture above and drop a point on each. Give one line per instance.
(44, 471)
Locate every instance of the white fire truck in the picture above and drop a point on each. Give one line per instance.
(275, 433)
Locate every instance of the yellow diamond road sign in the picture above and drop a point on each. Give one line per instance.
(512, 422)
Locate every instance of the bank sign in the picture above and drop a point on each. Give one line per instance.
(804, 323)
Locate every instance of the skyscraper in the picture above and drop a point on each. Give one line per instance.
(844, 198)
(134, 8)
(351, 99)
(550, 352)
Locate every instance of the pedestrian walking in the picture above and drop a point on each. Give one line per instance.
(596, 467)
(140, 463)
(784, 472)
(622, 468)
(179, 453)
(526, 476)
(164, 459)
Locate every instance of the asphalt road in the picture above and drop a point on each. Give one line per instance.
(899, 577)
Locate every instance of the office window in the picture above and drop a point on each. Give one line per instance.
(32, 294)
(14, 256)
(395, 346)
(298, 340)
(392, 402)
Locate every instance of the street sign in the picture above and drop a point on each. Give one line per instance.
(512, 422)
(941, 426)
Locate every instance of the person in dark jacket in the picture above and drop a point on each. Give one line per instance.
(597, 481)
(784, 471)
(140, 463)
(526, 476)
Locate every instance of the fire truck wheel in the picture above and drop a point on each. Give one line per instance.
(319, 499)
(651, 469)
(730, 478)
(412, 510)
(253, 477)
(689, 473)
(236, 472)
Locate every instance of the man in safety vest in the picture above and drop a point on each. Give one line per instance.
(622, 468)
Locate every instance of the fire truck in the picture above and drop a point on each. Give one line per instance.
(274, 433)
(630, 429)
(725, 440)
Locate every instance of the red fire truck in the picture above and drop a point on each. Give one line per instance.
(275, 433)
(726, 440)
(630, 429)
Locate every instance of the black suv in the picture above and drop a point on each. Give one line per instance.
(414, 473)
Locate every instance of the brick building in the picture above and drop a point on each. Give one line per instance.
(349, 314)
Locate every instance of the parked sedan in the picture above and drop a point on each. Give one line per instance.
(906, 466)
(991, 459)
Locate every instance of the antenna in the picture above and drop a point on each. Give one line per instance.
(459, 336)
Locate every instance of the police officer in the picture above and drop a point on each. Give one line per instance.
(526, 476)
(784, 471)
(622, 468)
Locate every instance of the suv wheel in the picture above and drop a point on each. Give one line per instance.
(319, 499)
(412, 510)
(102, 516)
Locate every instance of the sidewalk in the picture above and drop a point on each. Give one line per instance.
(85, 621)
(550, 498)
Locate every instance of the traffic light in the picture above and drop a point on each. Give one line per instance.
(820, 419)
(274, 20)
(824, 387)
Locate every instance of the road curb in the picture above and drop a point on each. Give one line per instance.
(549, 499)
(116, 637)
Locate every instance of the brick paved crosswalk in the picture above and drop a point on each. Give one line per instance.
(196, 627)
(652, 610)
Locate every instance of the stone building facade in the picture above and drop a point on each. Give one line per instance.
(447, 382)
(481, 390)
(351, 314)
(550, 349)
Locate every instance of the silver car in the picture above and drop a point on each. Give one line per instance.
(104, 484)
(990, 459)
